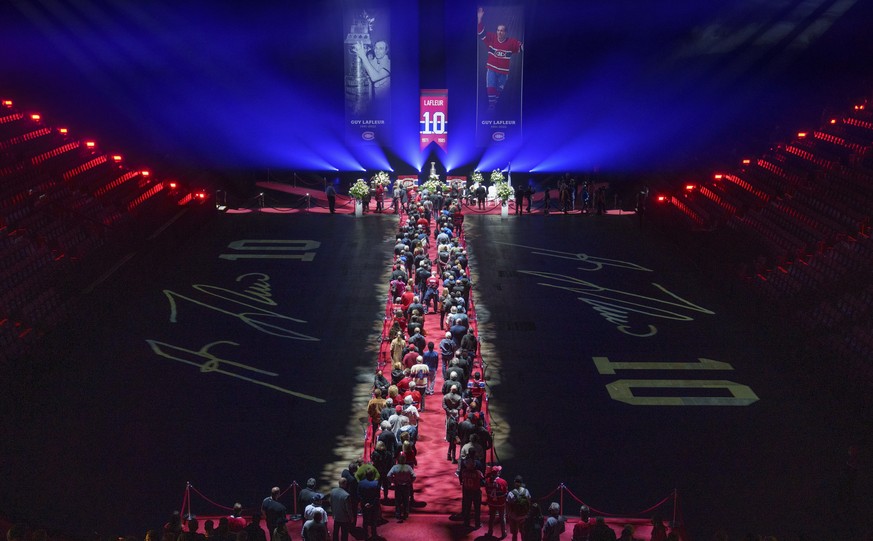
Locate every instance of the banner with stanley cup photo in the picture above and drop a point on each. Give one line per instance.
(367, 73)
(499, 75)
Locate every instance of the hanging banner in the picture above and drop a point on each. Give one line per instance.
(500, 31)
(367, 73)
(434, 115)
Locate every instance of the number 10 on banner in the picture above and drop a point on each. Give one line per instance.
(434, 117)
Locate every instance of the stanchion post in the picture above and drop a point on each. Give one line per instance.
(296, 515)
(675, 505)
(562, 488)
(188, 497)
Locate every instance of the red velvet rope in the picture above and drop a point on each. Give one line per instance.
(184, 499)
(210, 501)
(604, 513)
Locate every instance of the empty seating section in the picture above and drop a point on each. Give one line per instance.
(805, 210)
(60, 200)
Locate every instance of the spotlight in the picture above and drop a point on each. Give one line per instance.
(747, 161)
(661, 199)
(63, 131)
(35, 117)
(833, 121)
(145, 173)
(719, 176)
(116, 158)
(90, 144)
(7, 103)
(801, 135)
(690, 187)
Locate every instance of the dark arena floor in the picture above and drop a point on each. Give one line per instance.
(232, 352)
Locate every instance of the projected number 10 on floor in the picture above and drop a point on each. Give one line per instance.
(622, 390)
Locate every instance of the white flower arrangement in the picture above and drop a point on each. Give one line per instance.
(476, 177)
(497, 176)
(432, 185)
(382, 178)
(359, 189)
(504, 190)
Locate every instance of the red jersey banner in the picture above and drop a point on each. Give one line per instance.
(433, 122)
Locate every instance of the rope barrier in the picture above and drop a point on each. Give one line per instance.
(604, 513)
(210, 501)
(185, 497)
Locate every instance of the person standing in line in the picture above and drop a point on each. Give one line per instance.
(402, 477)
(496, 489)
(554, 524)
(518, 502)
(273, 509)
(368, 494)
(343, 510)
(330, 192)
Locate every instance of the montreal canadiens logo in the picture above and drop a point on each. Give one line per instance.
(368, 136)
(498, 136)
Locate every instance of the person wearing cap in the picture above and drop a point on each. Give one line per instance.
(516, 500)
(315, 507)
(396, 419)
(315, 528)
(409, 408)
(495, 491)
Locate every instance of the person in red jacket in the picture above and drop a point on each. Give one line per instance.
(495, 490)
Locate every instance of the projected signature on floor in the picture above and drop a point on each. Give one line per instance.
(616, 306)
(250, 303)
